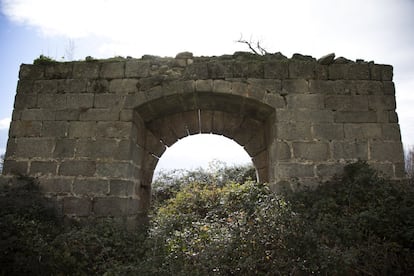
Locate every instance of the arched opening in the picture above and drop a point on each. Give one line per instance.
(198, 151)
(159, 123)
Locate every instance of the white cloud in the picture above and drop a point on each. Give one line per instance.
(4, 123)
(198, 150)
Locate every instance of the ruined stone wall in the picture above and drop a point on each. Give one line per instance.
(92, 132)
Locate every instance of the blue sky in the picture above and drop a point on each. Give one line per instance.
(379, 30)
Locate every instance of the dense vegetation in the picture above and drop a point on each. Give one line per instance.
(206, 224)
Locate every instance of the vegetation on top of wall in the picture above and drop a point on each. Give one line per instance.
(43, 60)
(355, 224)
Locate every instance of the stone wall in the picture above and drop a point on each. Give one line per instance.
(92, 132)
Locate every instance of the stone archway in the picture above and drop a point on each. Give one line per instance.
(160, 123)
(92, 132)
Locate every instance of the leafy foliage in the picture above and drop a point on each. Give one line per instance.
(356, 224)
(43, 60)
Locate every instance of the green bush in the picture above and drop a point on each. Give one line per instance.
(356, 224)
(43, 60)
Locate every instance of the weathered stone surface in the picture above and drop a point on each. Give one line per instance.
(77, 168)
(43, 168)
(93, 132)
(77, 206)
(90, 187)
(314, 151)
(327, 59)
(55, 185)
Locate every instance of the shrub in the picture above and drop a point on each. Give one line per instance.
(43, 60)
(358, 223)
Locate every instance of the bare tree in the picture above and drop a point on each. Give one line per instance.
(70, 50)
(1, 163)
(255, 47)
(409, 162)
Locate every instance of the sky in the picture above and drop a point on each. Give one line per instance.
(377, 30)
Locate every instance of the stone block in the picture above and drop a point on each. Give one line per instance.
(389, 88)
(77, 206)
(328, 131)
(256, 144)
(282, 152)
(123, 151)
(385, 102)
(90, 187)
(365, 87)
(267, 86)
(25, 87)
(82, 129)
(321, 72)
(72, 114)
(34, 147)
(308, 101)
(387, 72)
(65, 148)
(363, 131)
(55, 185)
(124, 86)
(25, 128)
(376, 71)
(180, 87)
(312, 151)
(31, 72)
(58, 71)
(114, 129)
(222, 86)
(86, 70)
(56, 129)
(355, 117)
(393, 116)
(327, 170)
(274, 100)
(220, 70)
(25, 101)
(294, 170)
(126, 115)
(52, 102)
(112, 70)
(206, 121)
(15, 167)
(350, 150)
(77, 168)
(276, 70)
(38, 115)
(38, 168)
(79, 101)
(204, 85)
(96, 149)
(391, 132)
(295, 86)
(346, 103)
(261, 159)
(72, 86)
(114, 169)
(197, 70)
(137, 69)
(359, 71)
(98, 86)
(304, 115)
(338, 71)
(99, 114)
(301, 70)
(123, 188)
(45, 86)
(294, 131)
(386, 151)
